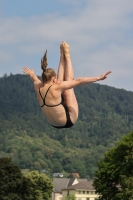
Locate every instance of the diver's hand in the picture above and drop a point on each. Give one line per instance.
(28, 71)
(103, 76)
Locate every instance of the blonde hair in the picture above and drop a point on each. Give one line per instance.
(47, 73)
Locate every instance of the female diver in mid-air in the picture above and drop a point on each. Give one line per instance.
(55, 92)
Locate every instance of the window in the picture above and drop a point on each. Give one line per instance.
(91, 192)
(83, 192)
(79, 192)
(87, 198)
(67, 193)
(87, 192)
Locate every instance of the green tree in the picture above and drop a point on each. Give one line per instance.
(41, 185)
(114, 177)
(13, 185)
(70, 197)
(127, 187)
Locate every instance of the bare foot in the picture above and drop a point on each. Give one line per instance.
(66, 49)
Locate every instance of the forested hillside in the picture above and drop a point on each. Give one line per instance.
(105, 114)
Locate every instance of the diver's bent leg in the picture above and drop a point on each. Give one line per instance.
(69, 72)
(61, 68)
(69, 95)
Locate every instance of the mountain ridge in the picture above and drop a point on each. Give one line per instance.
(105, 114)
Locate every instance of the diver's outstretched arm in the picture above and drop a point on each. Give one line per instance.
(65, 85)
(86, 80)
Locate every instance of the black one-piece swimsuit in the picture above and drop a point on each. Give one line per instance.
(68, 122)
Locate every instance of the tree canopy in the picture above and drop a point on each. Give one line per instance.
(41, 185)
(15, 186)
(114, 177)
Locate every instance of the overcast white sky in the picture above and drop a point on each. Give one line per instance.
(100, 34)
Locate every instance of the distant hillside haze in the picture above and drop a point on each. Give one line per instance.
(105, 114)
